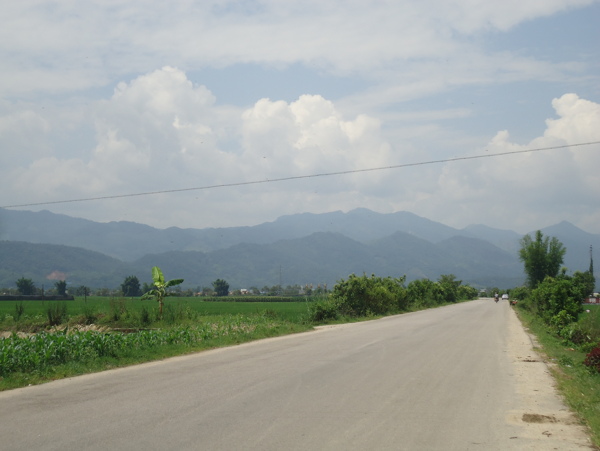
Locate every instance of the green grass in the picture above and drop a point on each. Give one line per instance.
(188, 325)
(579, 385)
(52, 355)
(31, 316)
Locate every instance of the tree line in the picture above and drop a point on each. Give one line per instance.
(26, 287)
(550, 293)
(132, 287)
(359, 296)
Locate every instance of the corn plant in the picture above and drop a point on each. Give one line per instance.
(40, 352)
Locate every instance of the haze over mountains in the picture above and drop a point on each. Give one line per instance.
(295, 249)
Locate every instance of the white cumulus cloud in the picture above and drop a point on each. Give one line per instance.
(106, 98)
(509, 191)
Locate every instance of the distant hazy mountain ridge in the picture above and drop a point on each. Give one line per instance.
(303, 248)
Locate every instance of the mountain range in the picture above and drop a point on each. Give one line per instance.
(294, 249)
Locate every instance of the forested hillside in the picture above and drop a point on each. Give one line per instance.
(47, 263)
(296, 249)
(321, 258)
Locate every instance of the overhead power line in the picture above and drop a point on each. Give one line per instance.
(298, 177)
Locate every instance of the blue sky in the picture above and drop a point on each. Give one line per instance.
(110, 98)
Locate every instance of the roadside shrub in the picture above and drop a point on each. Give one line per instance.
(562, 319)
(424, 293)
(420, 293)
(557, 301)
(574, 333)
(323, 310)
(466, 293)
(520, 293)
(359, 296)
(448, 287)
(592, 360)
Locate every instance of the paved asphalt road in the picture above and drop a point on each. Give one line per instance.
(443, 379)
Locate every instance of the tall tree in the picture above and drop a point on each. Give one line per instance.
(131, 286)
(61, 287)
(221, 287)
(558, 300)
(541, 257)
(449, 286)
(25, 286)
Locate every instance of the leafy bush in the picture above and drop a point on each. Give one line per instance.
(562, 319)
(592, 360)
(421, 293)
(361, 296)
(573, 333)
(424, 293)
(466, 292)
(449, 287)
(323, 310)
(557, 301)
(520, 293)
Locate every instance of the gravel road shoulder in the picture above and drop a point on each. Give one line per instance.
(543, 416)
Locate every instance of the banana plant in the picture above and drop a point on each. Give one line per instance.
(159, 292)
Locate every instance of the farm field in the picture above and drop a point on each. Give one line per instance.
(126, 312)
(47, 340)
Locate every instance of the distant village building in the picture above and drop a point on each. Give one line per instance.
(595, 299)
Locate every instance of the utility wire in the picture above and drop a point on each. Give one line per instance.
(298, 177)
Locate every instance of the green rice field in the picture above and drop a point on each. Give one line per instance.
(15, 315)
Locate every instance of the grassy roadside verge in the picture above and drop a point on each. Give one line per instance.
(579, 385)
(59, 355)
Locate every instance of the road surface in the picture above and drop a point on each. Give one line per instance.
(461, 377)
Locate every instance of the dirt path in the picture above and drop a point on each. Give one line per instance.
(544, 413)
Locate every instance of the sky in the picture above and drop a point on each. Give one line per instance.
(234, 113)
